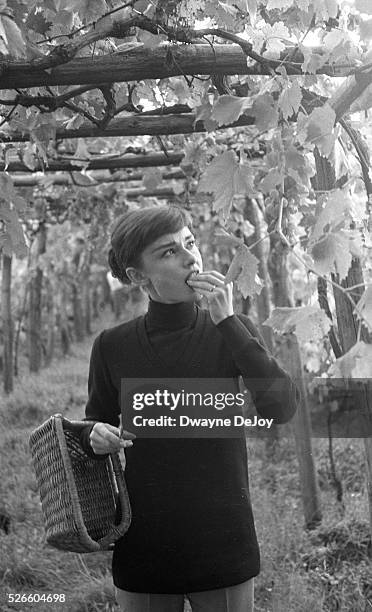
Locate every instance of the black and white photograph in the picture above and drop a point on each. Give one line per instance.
(186, 306)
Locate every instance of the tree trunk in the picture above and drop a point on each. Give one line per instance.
(290, 356)
(7, 323)
(87, 305)
(78, 314)
(51, 320)
(19, 326)
(346, 321)
(62, 314)
(35, 294)
(95, 301)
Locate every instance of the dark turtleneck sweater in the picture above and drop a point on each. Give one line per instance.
(192, 524)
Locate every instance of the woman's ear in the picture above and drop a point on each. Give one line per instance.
(136, 276)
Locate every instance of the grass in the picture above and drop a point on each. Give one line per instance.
(326, 569)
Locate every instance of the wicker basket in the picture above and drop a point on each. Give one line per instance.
(79, 495)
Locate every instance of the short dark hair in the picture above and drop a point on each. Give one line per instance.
(137, 229)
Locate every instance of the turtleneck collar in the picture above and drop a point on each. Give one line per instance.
(170, 316)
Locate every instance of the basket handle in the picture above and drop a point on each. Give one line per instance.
(119, 530)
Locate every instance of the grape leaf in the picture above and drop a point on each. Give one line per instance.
(309, 323)
(332, 254)
(243, 270)
(275, 35)
(364, 306)
(339, 202)
(36, 21)
(312, 60)
(273, 178)
(320, 128)
(204, 113)
(225, 178)
(290, 99)
(228, 109)
(298, 166)
(356, 363)
(265, 111)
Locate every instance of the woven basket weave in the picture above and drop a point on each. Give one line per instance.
(79, 495)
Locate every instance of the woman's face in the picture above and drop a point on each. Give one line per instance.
(166, 265)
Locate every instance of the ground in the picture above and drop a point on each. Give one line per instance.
(326, 569)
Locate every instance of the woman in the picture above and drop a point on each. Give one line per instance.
(192, 532)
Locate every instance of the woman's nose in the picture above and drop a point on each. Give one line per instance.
(188, 257)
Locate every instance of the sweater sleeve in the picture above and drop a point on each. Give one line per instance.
(274, 393)
(103, 402)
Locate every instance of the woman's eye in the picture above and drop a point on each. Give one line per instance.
(192, 243)
(169, 251)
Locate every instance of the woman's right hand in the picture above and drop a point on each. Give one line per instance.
(105, 438)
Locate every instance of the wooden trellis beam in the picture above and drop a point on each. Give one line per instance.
(129, 161)
(32, 180)
(152, 158)
(141, 63)
(133, 126)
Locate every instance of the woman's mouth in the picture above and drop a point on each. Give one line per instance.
(192, 275)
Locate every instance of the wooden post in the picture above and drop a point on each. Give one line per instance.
(6, 310)
(291, 358)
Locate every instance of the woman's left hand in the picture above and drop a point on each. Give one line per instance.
(211, 285)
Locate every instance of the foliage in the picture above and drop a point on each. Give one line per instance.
(292, 111)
